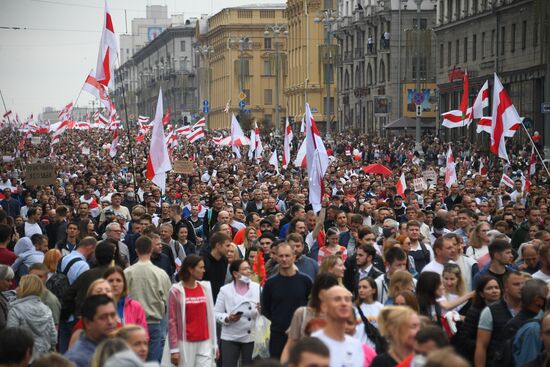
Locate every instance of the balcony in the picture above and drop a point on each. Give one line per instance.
(359, 53)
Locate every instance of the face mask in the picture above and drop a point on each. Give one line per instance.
(244, 279)
(386, 232)
(130, 195)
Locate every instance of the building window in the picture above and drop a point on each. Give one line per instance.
(328, 4)
(267, 13)
(457, 50)
(502, 40)
(465, 49)
(267, 43)
(268, 97)
(244, 13)
(267, 68)
(441, 54)
(268, 119)
(449, 50)
(423, 23)
(523, 35)
(182, 46)
(422, 68)
(482, 45)
(535, 35)
(513, 38)
(474, 47)
(493, 34)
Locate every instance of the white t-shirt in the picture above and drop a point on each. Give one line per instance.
(371, 311)
(348, 352)
(433, 266)
(540, 275)
(31, 229)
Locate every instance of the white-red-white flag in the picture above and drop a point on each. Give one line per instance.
(532, 163)
(236, 134)
(158, 162)
(256, 147)
(196, 135)
(65, 113)
(506, 120)
(108, 51)
(484, 124)
(401, 185)
(450, 168)
(455, 118)
(143, 119)
(481, 101)
(286, 143)
(96, 89)
(184, 130)
(274, 160)
(301, 159)
(217, 140)
(303, 126)
(483, 166)
(317, 161)
(200, 123)
(114, 144)
(507, 180)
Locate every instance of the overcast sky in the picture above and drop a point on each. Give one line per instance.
(47, 64)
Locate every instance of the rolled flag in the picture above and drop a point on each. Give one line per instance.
(196, 135)
(108, 53)
(450, 168)
(114, 144)
(286, 143)
(158, 162)
(505, 120)
(401, 185)
(317, 161)
(200, 123)
(507, 180)
(274, 161)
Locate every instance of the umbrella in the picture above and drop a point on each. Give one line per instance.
(377, 168)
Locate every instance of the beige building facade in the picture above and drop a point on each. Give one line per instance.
(242, 58)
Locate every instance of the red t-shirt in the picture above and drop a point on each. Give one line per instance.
(7, 257)
(196, 327)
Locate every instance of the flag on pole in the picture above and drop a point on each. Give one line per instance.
(484, 124)
(166, 118)
(317, 161)
(7, 114)
(65, 113)
(114, 144)
(532, 163)
(401, 185)
(483, 166)
(303, 126)
(274, 161)
(505, 122)
(286, 143)
(96, 89)
(236, 133)
(507, 180)
(108, 53)
(464, 102)
(301, 159)
(195, 135)
(217, 140)
(256, 148)
(143, 119)
(158, 162)
(456, 118)
(450, 169)
(184, 130)
(481, 101)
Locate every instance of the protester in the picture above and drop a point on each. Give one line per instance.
(16, 347)
(309, 352)
(136, 337)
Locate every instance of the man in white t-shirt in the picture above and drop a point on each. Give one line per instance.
(443, 252)
(337, 308)
(544, 258)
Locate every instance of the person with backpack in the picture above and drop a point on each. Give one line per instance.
(523, 331)
(69, 269)
(490, 340)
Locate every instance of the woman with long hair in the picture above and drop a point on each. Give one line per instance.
(453, 283)
(332, 247)
(399, 325)
(86, 228)
(28, 312)
(430, 294)
(401, 280)
(106, 349)
(487, 292)
(478, 241)
(406, 298)
(137, 339)
(303, 315)
(51, 260)
(183, 238)
(250, 236)
(191, 340)
(334, 265)
(129, 311)
(236, 310)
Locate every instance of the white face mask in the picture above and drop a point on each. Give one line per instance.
(244, 279)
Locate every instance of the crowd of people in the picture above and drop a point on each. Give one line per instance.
(231, 265)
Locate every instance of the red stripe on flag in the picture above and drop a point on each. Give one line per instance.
(109, 23)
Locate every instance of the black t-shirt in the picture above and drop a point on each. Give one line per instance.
(383, 360)
(499, 277)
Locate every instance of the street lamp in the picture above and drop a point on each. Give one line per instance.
(328, 17)
(205, 51)
(276, 30)
(244, 44)
(417, 142)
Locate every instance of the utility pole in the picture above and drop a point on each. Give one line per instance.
(276, 29)
(205, 52)
(417, 143)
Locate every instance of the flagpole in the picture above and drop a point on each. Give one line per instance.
(5, 108)
(536, 150)
(131, 152)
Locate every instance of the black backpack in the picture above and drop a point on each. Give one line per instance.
(59, 282)
(380, 343)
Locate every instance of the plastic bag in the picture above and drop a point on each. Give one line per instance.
(261, 337)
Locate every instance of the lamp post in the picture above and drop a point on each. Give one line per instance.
(276, 30)
(205, 51)
(244, 44)
(328, 17)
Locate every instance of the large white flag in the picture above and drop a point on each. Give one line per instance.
(108, 51)
(158, 162)
(236, 135)
(286, 143)
(506, 120)
(317, 161)
(450, 168)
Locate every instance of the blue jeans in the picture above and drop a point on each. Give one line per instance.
(155, 342)
(65, 332)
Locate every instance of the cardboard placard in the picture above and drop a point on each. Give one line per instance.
(7, 158)
(419, 184)
(430, 175)
(36, 140)
(40, 174)
(85, 151)
(183, 167)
